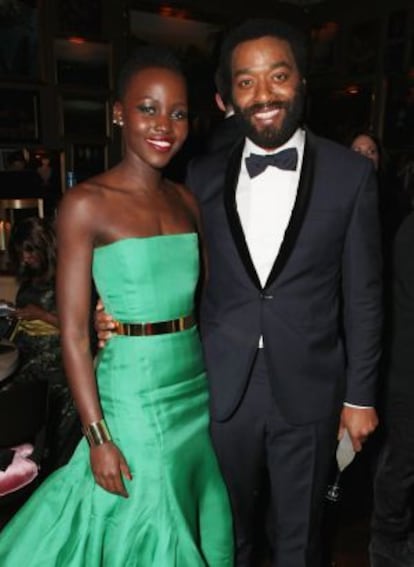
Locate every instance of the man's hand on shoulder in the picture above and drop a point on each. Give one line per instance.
(359, 422)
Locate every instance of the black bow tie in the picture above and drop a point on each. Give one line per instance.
(286, 159)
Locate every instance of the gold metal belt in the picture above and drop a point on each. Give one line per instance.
(160, 328)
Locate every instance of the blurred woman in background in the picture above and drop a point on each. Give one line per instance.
(32, 251)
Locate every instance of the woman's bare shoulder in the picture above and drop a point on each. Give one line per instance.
(86, 204)
(88, 191)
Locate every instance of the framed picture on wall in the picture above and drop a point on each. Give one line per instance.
(13, 158)
(19, 39)
(337, 111)
(84, 117)
(19, 116)
(84, 63)
(395, 45)
(363, 48)
(77, 17)
(88, 159)
(399, 113)
(324, 47)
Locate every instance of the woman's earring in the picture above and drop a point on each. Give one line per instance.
(118, 121)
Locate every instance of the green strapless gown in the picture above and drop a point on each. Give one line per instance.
(154, 397)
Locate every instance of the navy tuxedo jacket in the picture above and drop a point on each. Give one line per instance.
(224, 134)
(320, 310)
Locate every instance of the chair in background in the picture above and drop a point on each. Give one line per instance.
(11, 205)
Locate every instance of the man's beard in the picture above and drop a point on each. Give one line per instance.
(271, 137)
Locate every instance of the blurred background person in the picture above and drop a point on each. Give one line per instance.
(392, 543)
(367, 145)
(32, 251)
(393, 206)
(16, 161)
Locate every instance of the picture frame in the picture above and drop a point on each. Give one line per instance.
(80, 18)
(19, 116)
(396, 43)
(6, 155)
(399, 113)
(19, 39)
(88, 160)
(363, 48)
(324, 48)
(352, 102)
(84, 117)
(83, 63)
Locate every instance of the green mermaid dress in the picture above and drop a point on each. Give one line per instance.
(154, 397)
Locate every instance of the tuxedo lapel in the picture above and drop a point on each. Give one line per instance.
(299, 209)
(296, 219)
(232, 176)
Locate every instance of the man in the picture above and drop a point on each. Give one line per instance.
(392, 542)
(294, 269)
(291, 311)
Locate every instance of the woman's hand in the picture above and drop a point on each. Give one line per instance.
(30, 312)
(108, 466)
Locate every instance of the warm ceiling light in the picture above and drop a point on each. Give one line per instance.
(165, 11)
(352, 89)
(76, 39)
(170, 12)
(181, 14)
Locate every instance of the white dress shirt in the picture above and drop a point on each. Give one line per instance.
(265, 204)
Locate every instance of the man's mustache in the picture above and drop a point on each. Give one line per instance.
(264, 107)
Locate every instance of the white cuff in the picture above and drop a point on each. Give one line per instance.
(348, 405)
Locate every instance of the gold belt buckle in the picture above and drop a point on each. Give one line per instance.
(148, 329)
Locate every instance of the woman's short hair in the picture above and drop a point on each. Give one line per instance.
(145, 57)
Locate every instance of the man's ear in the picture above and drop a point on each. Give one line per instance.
(220, 102)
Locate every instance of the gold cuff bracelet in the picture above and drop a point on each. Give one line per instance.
(97, 433)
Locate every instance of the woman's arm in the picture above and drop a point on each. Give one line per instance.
(75, 232)
(32, 312)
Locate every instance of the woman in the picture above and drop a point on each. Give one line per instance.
(147, 491)
(393, 206)
(32, 252)
(367, 145)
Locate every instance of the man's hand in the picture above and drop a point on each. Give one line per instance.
(359, 422)
(103, 324)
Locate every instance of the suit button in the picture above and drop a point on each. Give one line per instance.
(266, 296)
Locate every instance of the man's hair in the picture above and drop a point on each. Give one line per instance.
(34, 235)
(255, 29)
(145, 57)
